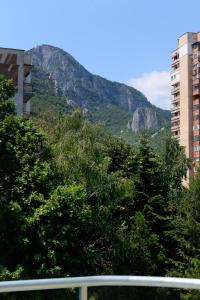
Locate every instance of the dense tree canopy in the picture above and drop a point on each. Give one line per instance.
(77, 201)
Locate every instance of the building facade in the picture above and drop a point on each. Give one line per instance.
(185, 96)
(16, 65)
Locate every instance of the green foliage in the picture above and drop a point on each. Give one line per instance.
(76, 200)
(7, 91)
(24, 183)
(172, 152)
(49, 103)
(22, 159)
(78, 148)
(114, 118)
(59, 225)
(187, 223)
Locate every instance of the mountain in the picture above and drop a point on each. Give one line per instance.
(65, 83)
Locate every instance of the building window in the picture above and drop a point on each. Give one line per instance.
(197, 117)
(196, 87)
(196, 158)
(173, 77)
(196, 148)
(196, 138)
(196, 127)
(195, 46)
(195, 55)
(196, 76)
(175, 57)
(197, 106)
(194, 67)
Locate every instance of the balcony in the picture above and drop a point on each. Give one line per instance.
(27, 70)
(195, 57)
(175, 125)
(175, 109)
(175, 117)
(195, 143)
(28, 91)
(196, 154)
(196, 132)
(196, 111)
(175, 99)
(195, 71)
(175, 57)
(195, 60)
(175, 67)
(83, 283)
(196, 138)
(174, 62)
(196, 81)
(196, 125)
(175, 89)
(196, 101)
(196, 91)
(175, 128)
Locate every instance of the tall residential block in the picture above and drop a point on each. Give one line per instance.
(16, 65)
(185, 96)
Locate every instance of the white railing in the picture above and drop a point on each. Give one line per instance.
(84, 282)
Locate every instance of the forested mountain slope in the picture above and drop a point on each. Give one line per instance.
(65, 84)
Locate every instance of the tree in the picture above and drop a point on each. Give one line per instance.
(187, 222)
(76, 201)
(175, 165)
(7, 91)
(23, 159)
(24, 181)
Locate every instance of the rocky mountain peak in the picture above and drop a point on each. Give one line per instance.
(57, 72)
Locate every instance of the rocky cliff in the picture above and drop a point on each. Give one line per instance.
(58, 74)
(146, 118)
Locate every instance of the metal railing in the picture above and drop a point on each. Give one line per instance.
(93, 281)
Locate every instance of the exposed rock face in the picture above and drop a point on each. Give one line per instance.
(73, 80)
(145, 118)
(58, 73)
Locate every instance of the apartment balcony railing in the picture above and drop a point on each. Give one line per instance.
(175, 90)
(175, 117)
(175, 100)
(82, 283)
(175, 109)
(174, 61)
(175, 128)
(175, 54)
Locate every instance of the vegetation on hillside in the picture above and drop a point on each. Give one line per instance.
(61, 82)
(78, 201)
(114, 119)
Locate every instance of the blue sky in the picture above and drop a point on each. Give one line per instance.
(123, 40)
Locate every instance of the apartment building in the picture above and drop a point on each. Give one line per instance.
(16, 65)
(185, 95)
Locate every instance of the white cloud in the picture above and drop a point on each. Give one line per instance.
(155, 86)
